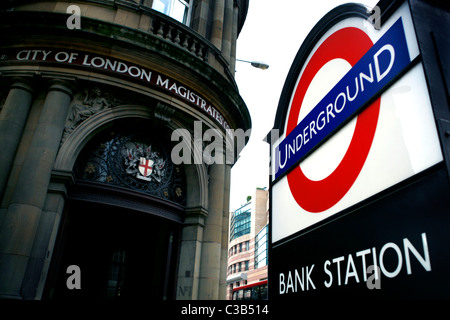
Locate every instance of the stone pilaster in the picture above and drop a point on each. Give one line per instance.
(44, 241)
(190, 254)
(227, 29)
(234, 35)
(225, 228)
(212, 236)
(200, 21)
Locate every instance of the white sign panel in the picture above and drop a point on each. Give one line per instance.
(335, 154)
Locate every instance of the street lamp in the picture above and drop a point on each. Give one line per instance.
(256, 64)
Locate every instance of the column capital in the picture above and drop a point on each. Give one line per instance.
(60, 181)
(65, 86)
(195, 216)
(196, 211)
(22, 83)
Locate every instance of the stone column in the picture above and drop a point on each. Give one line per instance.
(225, 227)
(212, 236)
(217, 26)
(12, 122)
(21, 221)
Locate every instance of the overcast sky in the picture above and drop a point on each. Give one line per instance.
(273, 33)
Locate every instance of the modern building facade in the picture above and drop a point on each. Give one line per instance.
(248, 242)
(99, 102)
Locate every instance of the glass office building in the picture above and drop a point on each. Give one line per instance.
(248, 242)
(241, 221)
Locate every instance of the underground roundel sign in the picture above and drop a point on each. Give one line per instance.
(354, 119)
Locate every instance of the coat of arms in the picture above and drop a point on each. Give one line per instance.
(140, 160)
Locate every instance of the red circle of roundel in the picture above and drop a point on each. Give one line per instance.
(349, 44)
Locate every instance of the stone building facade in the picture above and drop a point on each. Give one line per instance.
(96, 98)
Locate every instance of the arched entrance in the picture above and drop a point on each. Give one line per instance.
(121, 253)
(122, 221)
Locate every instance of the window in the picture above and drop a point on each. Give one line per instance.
(261, 247)
(180, 10)
(240, 222)
(116, 274)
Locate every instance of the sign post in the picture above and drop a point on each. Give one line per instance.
(360, 193)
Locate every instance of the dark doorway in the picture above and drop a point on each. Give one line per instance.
(121, 254)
